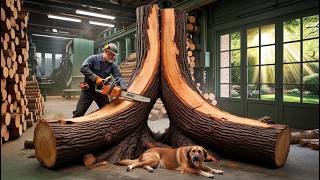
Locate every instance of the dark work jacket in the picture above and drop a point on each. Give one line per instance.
(94, 66)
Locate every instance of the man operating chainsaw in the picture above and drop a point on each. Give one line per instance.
(96, 69)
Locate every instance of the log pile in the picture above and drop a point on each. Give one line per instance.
(158, 111)
(308, 138)
(192, 45)
(35, 101)
(14, 69)
(127, 67)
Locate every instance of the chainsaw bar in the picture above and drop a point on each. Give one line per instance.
(134, 96)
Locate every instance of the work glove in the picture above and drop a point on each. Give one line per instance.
(99, 80)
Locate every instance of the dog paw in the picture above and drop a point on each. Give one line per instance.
(219, 172)
(210, 176)
(150, 170)
(129, 169)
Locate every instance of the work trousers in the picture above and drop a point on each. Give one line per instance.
(86, 98)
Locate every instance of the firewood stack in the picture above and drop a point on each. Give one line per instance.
(35, 101)
(127, 66)
(308, 138)
(158, 111)
(14, 69)
(192, 45)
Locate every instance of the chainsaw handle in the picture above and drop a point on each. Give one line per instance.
(114, 92)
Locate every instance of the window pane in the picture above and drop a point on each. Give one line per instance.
(291, 52)
(253, 56)
(311, 50)
(268, 74)
(235, 91)
(268, 55)
(291, 30)
(235, 74)
(291, 93)
(224, 59)
(311, 73)
(224, 90)
(253, 91)
(224, 76)
(235, 58)
(267, 92)
(311, 27)
(235, 40)
(253, 74)
(291, 73)
(253, 37)
(267, 34)
(224, 42)
(310, 94)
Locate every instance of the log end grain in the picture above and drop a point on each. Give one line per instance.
(45, 144)
(282, 147)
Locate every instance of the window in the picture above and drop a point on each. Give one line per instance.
(39, 61)
(48, 63)
(58, 59)
(261, 63)
(230, 61)
(301, 60)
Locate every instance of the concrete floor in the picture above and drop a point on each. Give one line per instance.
(18, 163)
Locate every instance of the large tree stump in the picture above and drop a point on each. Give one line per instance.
(119, 130)
(202, 122)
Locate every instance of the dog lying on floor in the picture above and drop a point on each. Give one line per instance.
(187, 159)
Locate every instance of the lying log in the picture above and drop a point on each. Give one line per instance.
(204, 123)
(306, 142)
(121, 122)
(308, 134)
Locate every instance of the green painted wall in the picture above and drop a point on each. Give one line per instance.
(82, 48)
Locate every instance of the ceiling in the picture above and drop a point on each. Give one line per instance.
(39, 23)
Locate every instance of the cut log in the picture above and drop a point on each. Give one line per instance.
(6, 118)
(55, 143)
(308, 134)
(204, 123)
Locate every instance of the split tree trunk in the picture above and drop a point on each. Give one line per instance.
(202, 122)
(58, 143)
(119, 130)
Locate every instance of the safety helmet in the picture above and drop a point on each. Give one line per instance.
(111, 47)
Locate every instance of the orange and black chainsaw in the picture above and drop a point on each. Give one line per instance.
(112, 88)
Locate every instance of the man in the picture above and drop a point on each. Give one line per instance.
(96, 68)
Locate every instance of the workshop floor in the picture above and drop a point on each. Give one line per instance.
(18, 163)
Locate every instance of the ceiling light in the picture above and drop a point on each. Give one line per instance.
(56, 37)
(101, 24)
(54, 30)
(63, 18)
(94, 14)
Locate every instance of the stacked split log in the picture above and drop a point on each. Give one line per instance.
(158, 111)
(14, 69)
(127, 66)
(308, 138)
(35, 101)
(192, 45)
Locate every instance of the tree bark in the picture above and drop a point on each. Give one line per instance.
(204, 123)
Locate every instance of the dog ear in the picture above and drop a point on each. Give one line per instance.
(205, 153)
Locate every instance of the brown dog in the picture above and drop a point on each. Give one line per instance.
(188, 159)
